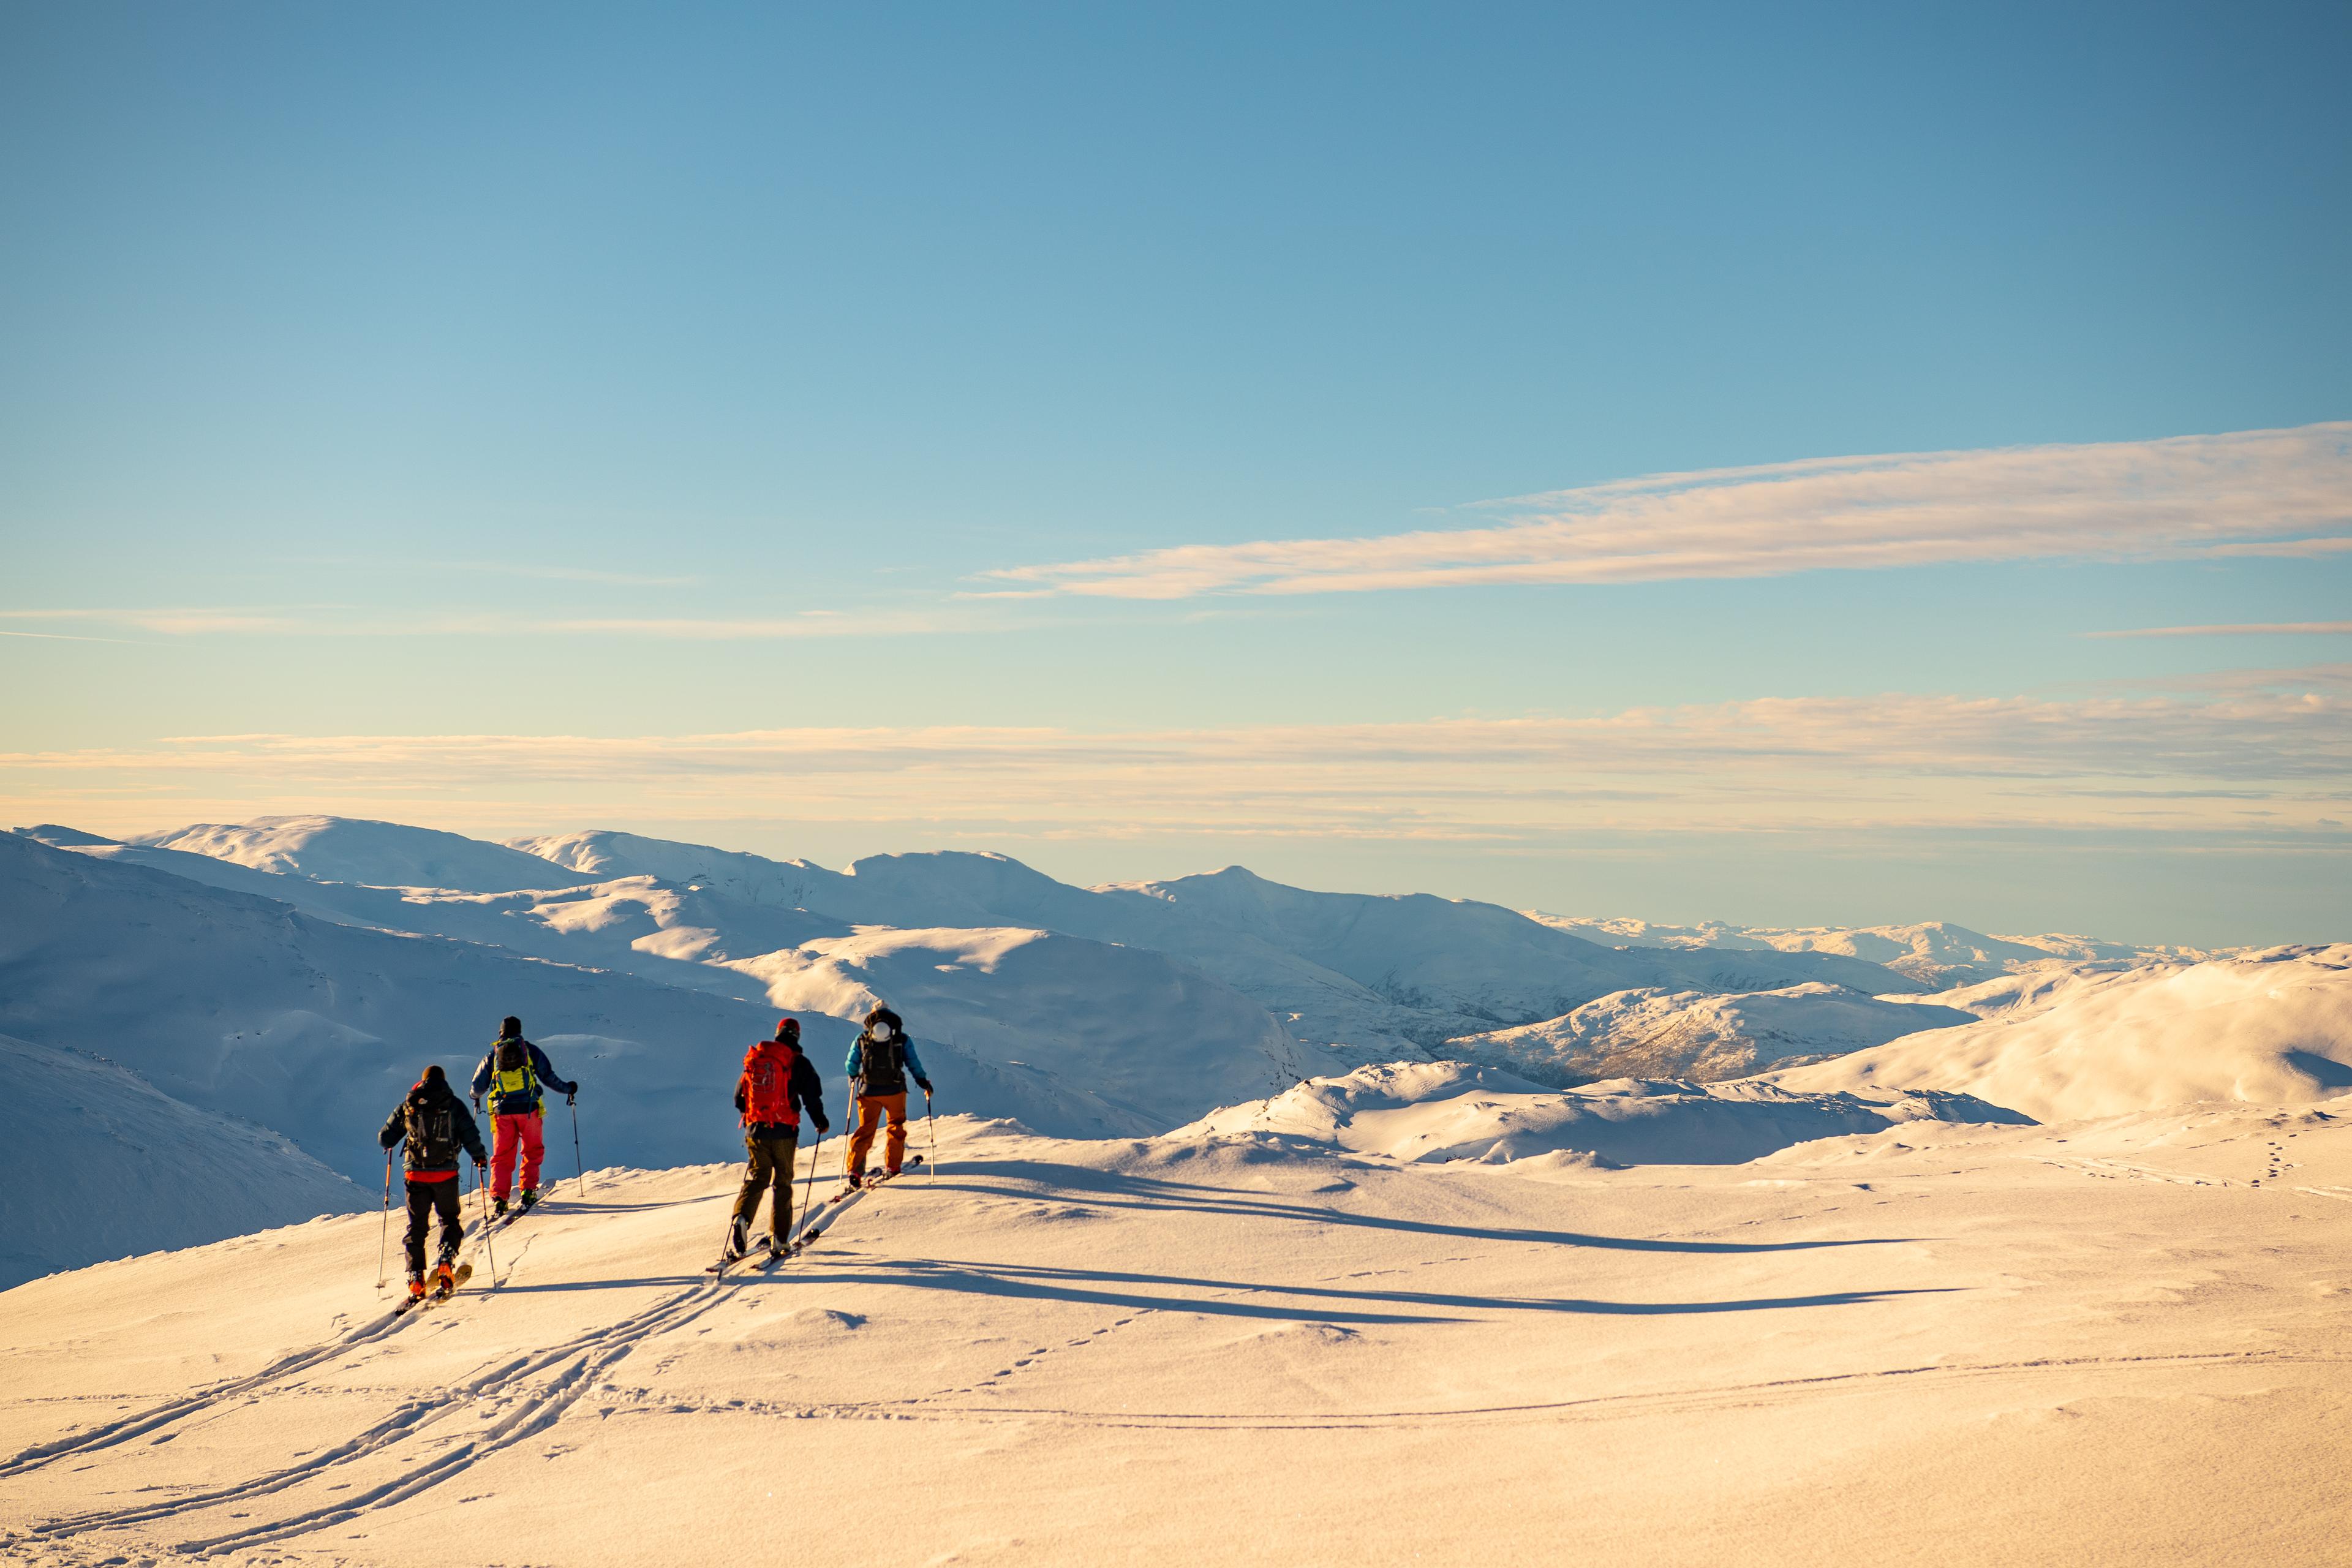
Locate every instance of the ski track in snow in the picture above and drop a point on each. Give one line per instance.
(1716, 1396)
(202, 1402)
(538, 1388)
(210, 1401)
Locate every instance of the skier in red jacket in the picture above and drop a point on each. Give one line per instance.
(777, 1085)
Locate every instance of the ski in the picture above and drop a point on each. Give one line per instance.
(499, 1222)
(822, 1218)
(758, 1244)
(457, 1276)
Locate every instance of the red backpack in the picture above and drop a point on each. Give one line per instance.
(767, 1083)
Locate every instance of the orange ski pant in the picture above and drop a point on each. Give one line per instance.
(509, 1133)
(871, 1109)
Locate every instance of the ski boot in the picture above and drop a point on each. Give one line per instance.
(497, 1208)
(445, 1281)
(739, 1240)
(529, 1197)
(416, 1286)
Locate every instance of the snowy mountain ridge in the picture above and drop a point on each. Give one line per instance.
(2269, 1027)
(1937, 954)
(1701, 1037)
(288, 971)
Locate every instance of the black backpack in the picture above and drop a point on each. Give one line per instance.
(431, 1133)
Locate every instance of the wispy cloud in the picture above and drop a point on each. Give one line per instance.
(2242, 629)
(331, 621)
(2264, 762)
(550, 572)
(808, 624)
(186, 621)
(2260, 492)
(553, 573)
(68, 637)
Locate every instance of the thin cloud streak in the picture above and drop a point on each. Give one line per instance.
(2260, 492)
(545, 572)
(558, 574)
(68, 637)
(317, 621)
(2266, 767)
(2279, 629)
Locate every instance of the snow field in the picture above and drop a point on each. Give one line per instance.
(1697, 1036)
(1927, 1343)
(97, 1161)
(2273, 1028)
(1450, 1111)
(1935, 952)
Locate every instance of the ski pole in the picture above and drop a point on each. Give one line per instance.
(384, 1233)
(488, 1251)
(582, 1165)
(808, 1192)
(932, 1130)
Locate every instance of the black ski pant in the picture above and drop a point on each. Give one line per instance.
(425, 1200)
(772, 1149)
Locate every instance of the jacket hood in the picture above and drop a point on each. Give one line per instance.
(884, 1016)
(431, 1090)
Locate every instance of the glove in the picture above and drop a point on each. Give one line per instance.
(572, 1099)
(926, 1083)
(480, 1165)
(823, 1128)
(477, 1104)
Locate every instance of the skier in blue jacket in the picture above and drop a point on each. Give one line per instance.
(511, 1074)
(880, 1062)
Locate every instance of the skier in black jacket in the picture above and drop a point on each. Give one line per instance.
(436, 1125)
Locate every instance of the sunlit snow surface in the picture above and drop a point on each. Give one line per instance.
(2115, 1343)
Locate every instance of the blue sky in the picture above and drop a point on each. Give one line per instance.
(601, 373)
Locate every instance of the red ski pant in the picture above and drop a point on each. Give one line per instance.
(511, 1131)
(871, 1109)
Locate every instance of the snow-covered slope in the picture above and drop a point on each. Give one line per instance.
(607, 856)
(675, 934)
(1453, 1110)
(99, 1164)
(1375, 977)
(314, 1027)
(382, 854)
(240, 1004)
(1936, 1343)
(1701, 1037)
(678, 934)
(1936, 953)
(1451, 965)
(346, 903)
(2273, 1028)
(1154, 1041)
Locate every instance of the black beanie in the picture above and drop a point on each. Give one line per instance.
(434, 1074)
(512, 1029)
